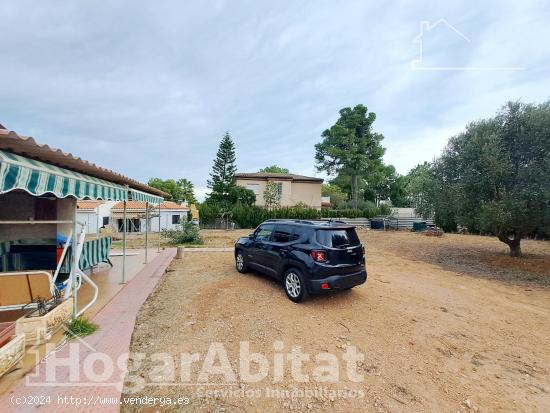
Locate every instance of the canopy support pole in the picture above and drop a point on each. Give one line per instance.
(146, 230)
(158, 250)
(124, 244)
(96, 292)
(74, 264)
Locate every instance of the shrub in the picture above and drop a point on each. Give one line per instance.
(239, 194)
(80, 327)
(208, 213)
(252, 216)
(186, 233)
(368, 212)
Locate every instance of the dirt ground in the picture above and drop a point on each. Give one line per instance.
(446, 324)
(211, 238)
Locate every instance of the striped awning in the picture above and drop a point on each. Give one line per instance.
(136, 195)
(95, 251)
(39, 178)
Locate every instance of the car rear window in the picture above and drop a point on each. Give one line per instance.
(337, 238)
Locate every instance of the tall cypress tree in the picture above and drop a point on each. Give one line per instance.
(223, 171)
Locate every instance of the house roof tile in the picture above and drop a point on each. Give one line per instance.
(270, 175)
(26, 146)
(138, 205)
(87, 204)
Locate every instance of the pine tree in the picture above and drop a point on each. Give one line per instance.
(223, 171)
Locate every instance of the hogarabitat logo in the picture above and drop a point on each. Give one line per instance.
(136, 371)
(252, 367)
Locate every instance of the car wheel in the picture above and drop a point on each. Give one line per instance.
(240, 262)
(294, 285)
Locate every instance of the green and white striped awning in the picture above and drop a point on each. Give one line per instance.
(39, 178)
(136, 195)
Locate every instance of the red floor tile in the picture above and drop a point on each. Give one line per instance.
(116, 323)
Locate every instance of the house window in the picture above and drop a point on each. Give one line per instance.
(175, 219)
(280, 189)
(254, 188)
(105, 221)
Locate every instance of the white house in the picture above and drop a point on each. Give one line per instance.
(94, 214)
(292, 189)
(171, 214)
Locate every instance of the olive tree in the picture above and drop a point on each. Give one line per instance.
(496, 174)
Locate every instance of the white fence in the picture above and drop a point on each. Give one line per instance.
(399, 223)
(406, 222)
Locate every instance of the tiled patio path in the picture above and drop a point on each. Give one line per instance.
(101, 350)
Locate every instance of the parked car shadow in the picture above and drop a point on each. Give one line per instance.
(332, 297)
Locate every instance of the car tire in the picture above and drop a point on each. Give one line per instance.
(294, 285)
(240, 262)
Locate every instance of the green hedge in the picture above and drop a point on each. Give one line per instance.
(208, 213)
(251, 216)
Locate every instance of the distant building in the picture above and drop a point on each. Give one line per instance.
(293, 189)
(194, 211)
(94, 214)
(171, 214)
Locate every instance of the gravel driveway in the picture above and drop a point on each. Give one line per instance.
(434, 338)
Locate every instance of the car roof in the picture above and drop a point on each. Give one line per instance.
(313, 223)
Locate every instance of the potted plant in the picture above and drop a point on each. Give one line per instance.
(49, 315)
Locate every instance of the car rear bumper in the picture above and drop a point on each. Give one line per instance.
(337, 282)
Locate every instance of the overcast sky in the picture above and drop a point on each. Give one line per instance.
(148, 88)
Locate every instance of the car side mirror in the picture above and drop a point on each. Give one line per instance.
(251, 236)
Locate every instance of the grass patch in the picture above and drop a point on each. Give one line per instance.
(81, 327)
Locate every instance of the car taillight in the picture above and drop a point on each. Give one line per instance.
(319, 255)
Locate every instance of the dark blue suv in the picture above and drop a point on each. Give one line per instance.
(308, 257)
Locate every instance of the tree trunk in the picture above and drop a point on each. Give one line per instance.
(354, 191)
(515, 248)
(513, 243)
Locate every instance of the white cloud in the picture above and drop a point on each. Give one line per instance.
(149, 90)
(201, 192)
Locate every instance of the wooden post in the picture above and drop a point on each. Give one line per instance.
(180, 252)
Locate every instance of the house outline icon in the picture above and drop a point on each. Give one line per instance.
(427, 27)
